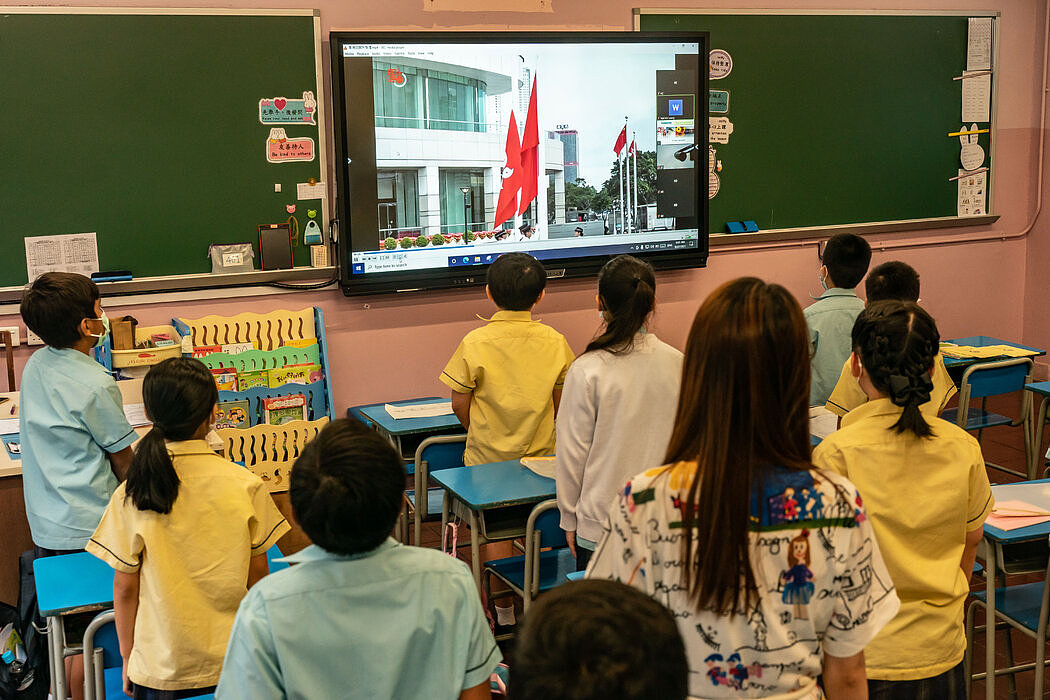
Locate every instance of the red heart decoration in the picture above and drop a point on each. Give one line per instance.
(280, 102)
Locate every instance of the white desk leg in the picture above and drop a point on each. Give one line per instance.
(475, 548)
(991, 561)
(1037, 439)
(58, 680)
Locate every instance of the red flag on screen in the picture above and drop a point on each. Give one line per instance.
(621, 141)
(508, 194)
(530, 154)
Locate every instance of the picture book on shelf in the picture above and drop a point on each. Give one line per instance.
(253, 378)
(225, 378)
(232, 414)
(229, 348)
(295, 374)
(278, 410)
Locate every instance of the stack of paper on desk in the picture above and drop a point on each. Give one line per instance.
(1011, 515)
(419, 410)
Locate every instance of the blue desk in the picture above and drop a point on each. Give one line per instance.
(375, 415)
(1039, 389)
(994, 544)
(66, 584)
(484, 488)
(981, 341)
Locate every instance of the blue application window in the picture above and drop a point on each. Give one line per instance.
(674, 107)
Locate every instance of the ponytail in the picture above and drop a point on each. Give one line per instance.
(627, 293)
(897, 342)
(179, 394)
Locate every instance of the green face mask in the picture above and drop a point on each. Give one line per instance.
(101, 337)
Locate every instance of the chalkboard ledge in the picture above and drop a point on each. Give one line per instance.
(822, 232)
(174, 283)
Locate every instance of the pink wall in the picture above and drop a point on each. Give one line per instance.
(392, 347)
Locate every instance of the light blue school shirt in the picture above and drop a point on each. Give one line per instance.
(830, 318)
(70, 416)
(395, 622)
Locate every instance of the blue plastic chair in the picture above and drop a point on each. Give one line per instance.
(546, 562)
(102, 661)
(432, 455)
(984, 379)
(1025, 607)
(272, 555)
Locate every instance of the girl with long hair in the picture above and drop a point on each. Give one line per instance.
(187, 535)
(717, 533)
(617, 406)
(925, 482)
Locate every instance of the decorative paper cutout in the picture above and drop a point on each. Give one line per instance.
(719, 130)
(720, 63)
(281, 149)
(280, 110)
(719, 101)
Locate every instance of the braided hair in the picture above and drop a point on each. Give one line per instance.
(627, 290)
(897, 342)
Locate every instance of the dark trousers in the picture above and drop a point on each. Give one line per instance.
(583, 556)
(950, 685)
(143, 693)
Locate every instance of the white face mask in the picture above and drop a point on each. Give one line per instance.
(100, 338)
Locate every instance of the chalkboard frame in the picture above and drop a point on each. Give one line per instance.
(874, 227)
(197, 281)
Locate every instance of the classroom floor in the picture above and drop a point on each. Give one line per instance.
(1003, 446)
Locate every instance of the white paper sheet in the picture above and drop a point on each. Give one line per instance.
(8, 426)
(71, 252)
(979, 43)
(976, 98)
(822, 422)
(419, 410)
(136, 414)
(973, 194)
(304, 190)
(543, 466)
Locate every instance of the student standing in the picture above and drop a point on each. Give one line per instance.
(769, 565)
(506, 377)
(76, 441)
(617, 405)
(187, 534)
(831, 316)
(925, 484)
(897, 281)
(359, 616)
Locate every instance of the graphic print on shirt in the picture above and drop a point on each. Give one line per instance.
(797, 580)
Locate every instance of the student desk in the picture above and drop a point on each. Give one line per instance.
(1039, 389)
(994, 546)
(66, 584)
(484, 489)
(981, 341)
(375, 415)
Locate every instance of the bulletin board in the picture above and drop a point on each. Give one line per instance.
(160, 131)
(842, 121)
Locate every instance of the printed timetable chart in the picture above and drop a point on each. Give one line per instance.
(74, 252)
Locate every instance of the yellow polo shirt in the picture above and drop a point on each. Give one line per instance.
(193, 564)
(847, 394)
(923, 495)
(512, 364)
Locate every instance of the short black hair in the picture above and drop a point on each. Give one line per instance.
(516, 281)
(846, 255)
(599, 640)
(346, 488)
(892, 280)
(54, 305)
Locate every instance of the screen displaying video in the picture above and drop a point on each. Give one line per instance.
(453, 152)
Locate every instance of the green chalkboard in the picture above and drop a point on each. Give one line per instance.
(837, 119)
(145, 129)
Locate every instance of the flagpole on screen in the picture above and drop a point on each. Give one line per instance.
(634, 147)
(627, 204)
